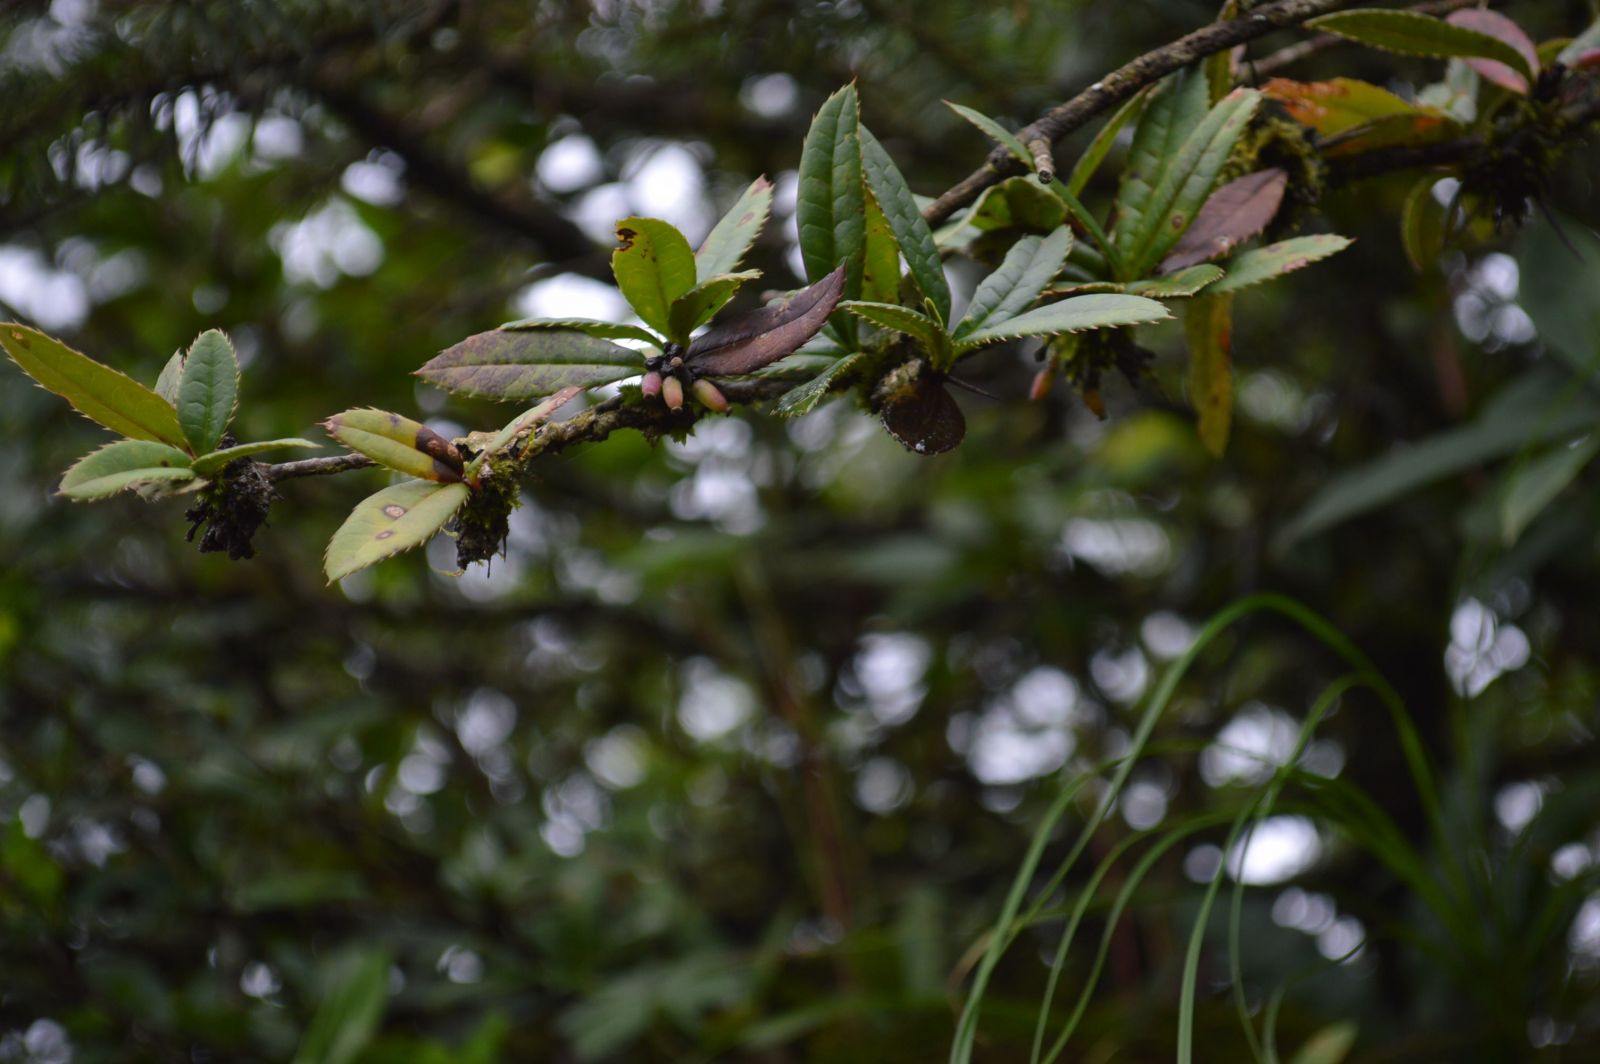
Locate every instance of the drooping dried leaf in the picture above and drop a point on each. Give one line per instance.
(746, 342)
(1498, 26)
(924, 417)
(517, 364)
(1233, 214)
(399, 517)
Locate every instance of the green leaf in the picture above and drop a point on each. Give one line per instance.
(1530, 411)
(124, 464)
(1551, 280)
(653, 266)
(800, 366)
(1032, 263)
(1531, 487)
(700, 304)
(1422, 225)
(1177, 106)
(1182, 283)
(399, 517)
(171, 373)
(217, 461)
(207, 390)
(603, 330)
(1077, 314)
(911, 230)
(920, 327)
(1186, 182)
(1208, 326)
(804, 399)
(880, 260)
(734, 233)
(1096, 152)
(830, 210)
(1412, 33)
(1330, 1045)
(99, 392)
(995, 132)
(354, 994)
(513, 364)
(1275, 260)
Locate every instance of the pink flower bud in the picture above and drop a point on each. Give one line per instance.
(709, 394)
(1042, 382)
(651, 385)
(672, 392)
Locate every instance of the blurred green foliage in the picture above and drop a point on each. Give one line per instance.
(736, 752)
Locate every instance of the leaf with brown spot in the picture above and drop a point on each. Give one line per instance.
(746, 342)
(653, 266)
(1233, 214)
(399, 517)
(516, 364)
(1496, 25)
(924, 417)
(1274, 260)
(400, 443)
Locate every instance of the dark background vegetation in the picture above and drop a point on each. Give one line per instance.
(735, 754)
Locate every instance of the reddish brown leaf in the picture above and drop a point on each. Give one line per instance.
(1235, 212)
(1496, 25)
(924, 418)
(746, 342)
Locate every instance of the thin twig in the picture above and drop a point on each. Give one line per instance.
(1123, 83)
(316, 467)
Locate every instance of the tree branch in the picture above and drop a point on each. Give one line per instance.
(1123, 83)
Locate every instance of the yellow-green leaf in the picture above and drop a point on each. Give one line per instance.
(880, 269)
(1274, 260)
(399, 517)
(99, 392)
(124, 464)
(1208, 325)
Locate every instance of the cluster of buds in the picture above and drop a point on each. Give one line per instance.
(666, 374)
